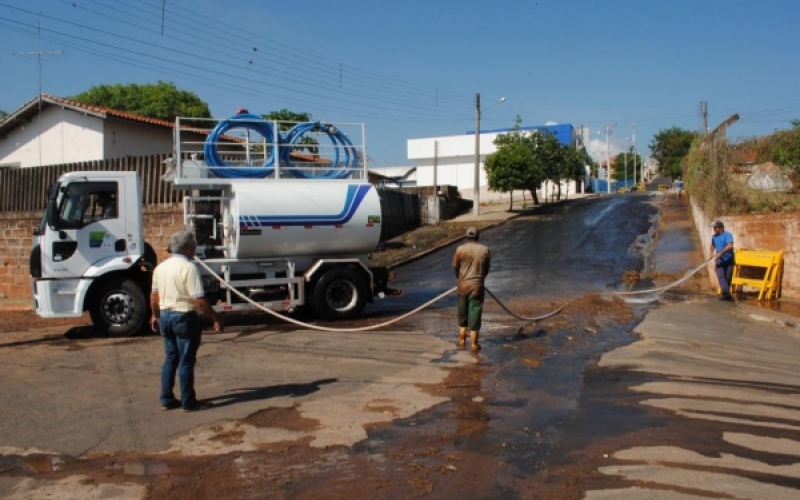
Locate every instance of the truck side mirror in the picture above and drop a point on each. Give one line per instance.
(52, 214)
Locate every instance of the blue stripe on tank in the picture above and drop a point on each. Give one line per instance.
(355, 195)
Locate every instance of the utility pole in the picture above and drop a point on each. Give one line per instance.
(476, 197)
(633, 140)
(704, 114)
(608, 157)
(435, 178)
(39, 53)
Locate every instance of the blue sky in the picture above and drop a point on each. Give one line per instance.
(411, 69)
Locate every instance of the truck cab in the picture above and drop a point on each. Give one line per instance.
(89, 252)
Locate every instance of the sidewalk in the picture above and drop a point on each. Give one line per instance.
(498, 212)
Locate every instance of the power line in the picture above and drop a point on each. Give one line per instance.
(404, 104)
(303, 62)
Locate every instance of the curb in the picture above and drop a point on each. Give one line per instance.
(444, 244)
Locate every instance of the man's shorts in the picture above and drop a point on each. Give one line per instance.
(470, 309)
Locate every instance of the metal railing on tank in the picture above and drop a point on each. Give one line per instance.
(246, 146)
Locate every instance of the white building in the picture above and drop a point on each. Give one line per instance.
(455, 160)
(49, 130)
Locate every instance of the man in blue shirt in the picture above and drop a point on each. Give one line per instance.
(722, 249)
(678, 185)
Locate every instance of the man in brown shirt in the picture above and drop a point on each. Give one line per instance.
(471, 263)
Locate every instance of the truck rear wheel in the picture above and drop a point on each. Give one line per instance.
(119, 308)
(340, 294)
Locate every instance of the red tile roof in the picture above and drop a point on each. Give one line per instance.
(107, 111)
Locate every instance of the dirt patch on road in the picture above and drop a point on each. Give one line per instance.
(420, 241)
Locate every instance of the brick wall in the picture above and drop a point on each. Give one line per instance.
(760, 232)
(16, 228)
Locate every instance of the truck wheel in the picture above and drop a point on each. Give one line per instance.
(340, 294)
(118, 308)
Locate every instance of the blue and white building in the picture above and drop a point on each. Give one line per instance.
(455, 159)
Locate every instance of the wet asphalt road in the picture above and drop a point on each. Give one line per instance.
(558, 252)
(533, 374)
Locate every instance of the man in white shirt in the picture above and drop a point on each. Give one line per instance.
(177, 295)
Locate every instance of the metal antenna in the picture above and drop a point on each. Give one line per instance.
(39, 53)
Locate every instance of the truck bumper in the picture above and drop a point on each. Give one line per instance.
(61, 298)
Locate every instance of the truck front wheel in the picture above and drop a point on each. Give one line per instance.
(340, 294)
(119, 308)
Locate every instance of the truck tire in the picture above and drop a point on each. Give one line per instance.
(119, 308)
(339, 294)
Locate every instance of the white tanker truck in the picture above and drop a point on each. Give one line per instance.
(295, 229)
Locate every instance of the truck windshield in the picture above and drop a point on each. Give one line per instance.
(85, 202)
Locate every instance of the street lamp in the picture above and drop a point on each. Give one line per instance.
(625, 160)
(476, 196)
(608, 156)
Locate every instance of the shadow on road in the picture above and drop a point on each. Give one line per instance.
(273, 391)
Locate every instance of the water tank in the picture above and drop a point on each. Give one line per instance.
(288, 217)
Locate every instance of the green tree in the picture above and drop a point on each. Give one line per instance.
(784, 147)
(3, 114)
(531, 175)
(506, 168)
(628, 158)
(535, 174)
(575, 162)
(288, 117)
(669, 147)
(161, 100)
(558, 161)
(286, 120)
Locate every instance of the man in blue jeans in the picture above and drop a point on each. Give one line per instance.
(177, 295)
(722, 249)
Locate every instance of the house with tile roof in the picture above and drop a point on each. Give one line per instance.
(50, 130)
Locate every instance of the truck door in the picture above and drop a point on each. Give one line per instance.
(88, 229)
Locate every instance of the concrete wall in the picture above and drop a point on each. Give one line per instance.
(16, 228)
(67, 136)
(456, 160)
(126, 138)
(759, 232)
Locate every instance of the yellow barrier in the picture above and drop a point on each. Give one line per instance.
(761, 269)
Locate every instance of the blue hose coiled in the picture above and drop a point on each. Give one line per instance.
(345, 154)
(339, 169)
(220, 167)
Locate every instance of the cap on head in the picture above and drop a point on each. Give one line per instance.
(718, 224)
(472, 232)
